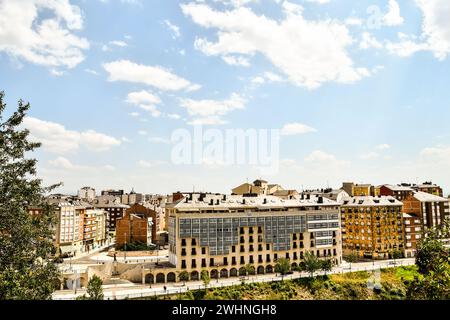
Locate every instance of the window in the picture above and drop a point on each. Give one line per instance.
(267, 246)
(250, 230)
(275, 257)
(233, 261)
(242, 260)
(242, 249)
(203, 250)
(203, 263)
(225, 261)
(194, 263)
(194, 242)
(193, 251)
(211, 262)
(183, 242)
(183, 252)
(241, 230)
(267, 257)
(183, 264)
(233, 249)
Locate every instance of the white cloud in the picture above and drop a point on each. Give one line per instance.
(393, 17)
(322, 158)
(234, 60)
(115, 43)
(291, 129)
(309, 52)
(142, 132)
(67, 165)
(95, 73)
(150, 164)
(155, 76)
(370, 155)
(383, 146)
(143, 97)
(56, 138)
(159, 140)
(438, 154)
(318, 1)
(174, 29)
(48, 40)
(174, 116)
(435, 35)
(146, 101)
(368, 41)
(209, 111)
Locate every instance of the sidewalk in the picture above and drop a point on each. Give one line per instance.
(142, 291)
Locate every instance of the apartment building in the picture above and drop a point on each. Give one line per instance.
(223, 233)
(137, 225)
(399, 192)
(429, 187)
(115, 210)
(372, 227)
(413, 233)
(94, 232)
(357, 190)
(429, 208)
(86, 194)
(70, 225)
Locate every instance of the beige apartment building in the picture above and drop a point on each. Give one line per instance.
(222, 234)
(372, 227)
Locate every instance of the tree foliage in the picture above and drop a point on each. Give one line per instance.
(26, 246)
(94, 290)
(183, 276)
(204, 276)
(432, 260)
(283, 266)
(312, 263)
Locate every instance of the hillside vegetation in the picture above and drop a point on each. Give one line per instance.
(348, 286)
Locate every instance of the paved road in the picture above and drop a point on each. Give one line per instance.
(124, 291)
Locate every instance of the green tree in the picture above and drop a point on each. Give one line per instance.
(283, 266)
(183, 276)
(312, 263)
(432, 259)
(26, 269)
(249, 269)
(204, 276)
(94, 290)
(326, 265)
(430, 250)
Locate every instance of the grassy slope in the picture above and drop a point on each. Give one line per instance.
(349, 286)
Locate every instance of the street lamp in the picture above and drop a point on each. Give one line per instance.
(125, 249)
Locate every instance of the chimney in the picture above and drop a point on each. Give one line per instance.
(211, 202)
(320, 200)
(243, 201)
(265, 201)
(308, 196)
(224, 197)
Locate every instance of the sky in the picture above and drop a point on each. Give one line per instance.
(359, 91)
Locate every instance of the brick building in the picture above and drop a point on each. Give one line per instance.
(138, 225)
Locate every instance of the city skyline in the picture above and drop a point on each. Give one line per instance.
(365, 99)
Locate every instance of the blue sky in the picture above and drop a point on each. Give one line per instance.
(360, 89)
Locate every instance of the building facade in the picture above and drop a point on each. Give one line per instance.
(413, 233)
(429, 208)
(398, 192)
(86, 194)
(372, 227)
(222, 234)
(137, 225)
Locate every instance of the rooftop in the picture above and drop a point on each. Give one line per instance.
(216, 201)
(369, 201)
(428, 197)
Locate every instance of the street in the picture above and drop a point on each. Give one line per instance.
(130, 291)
